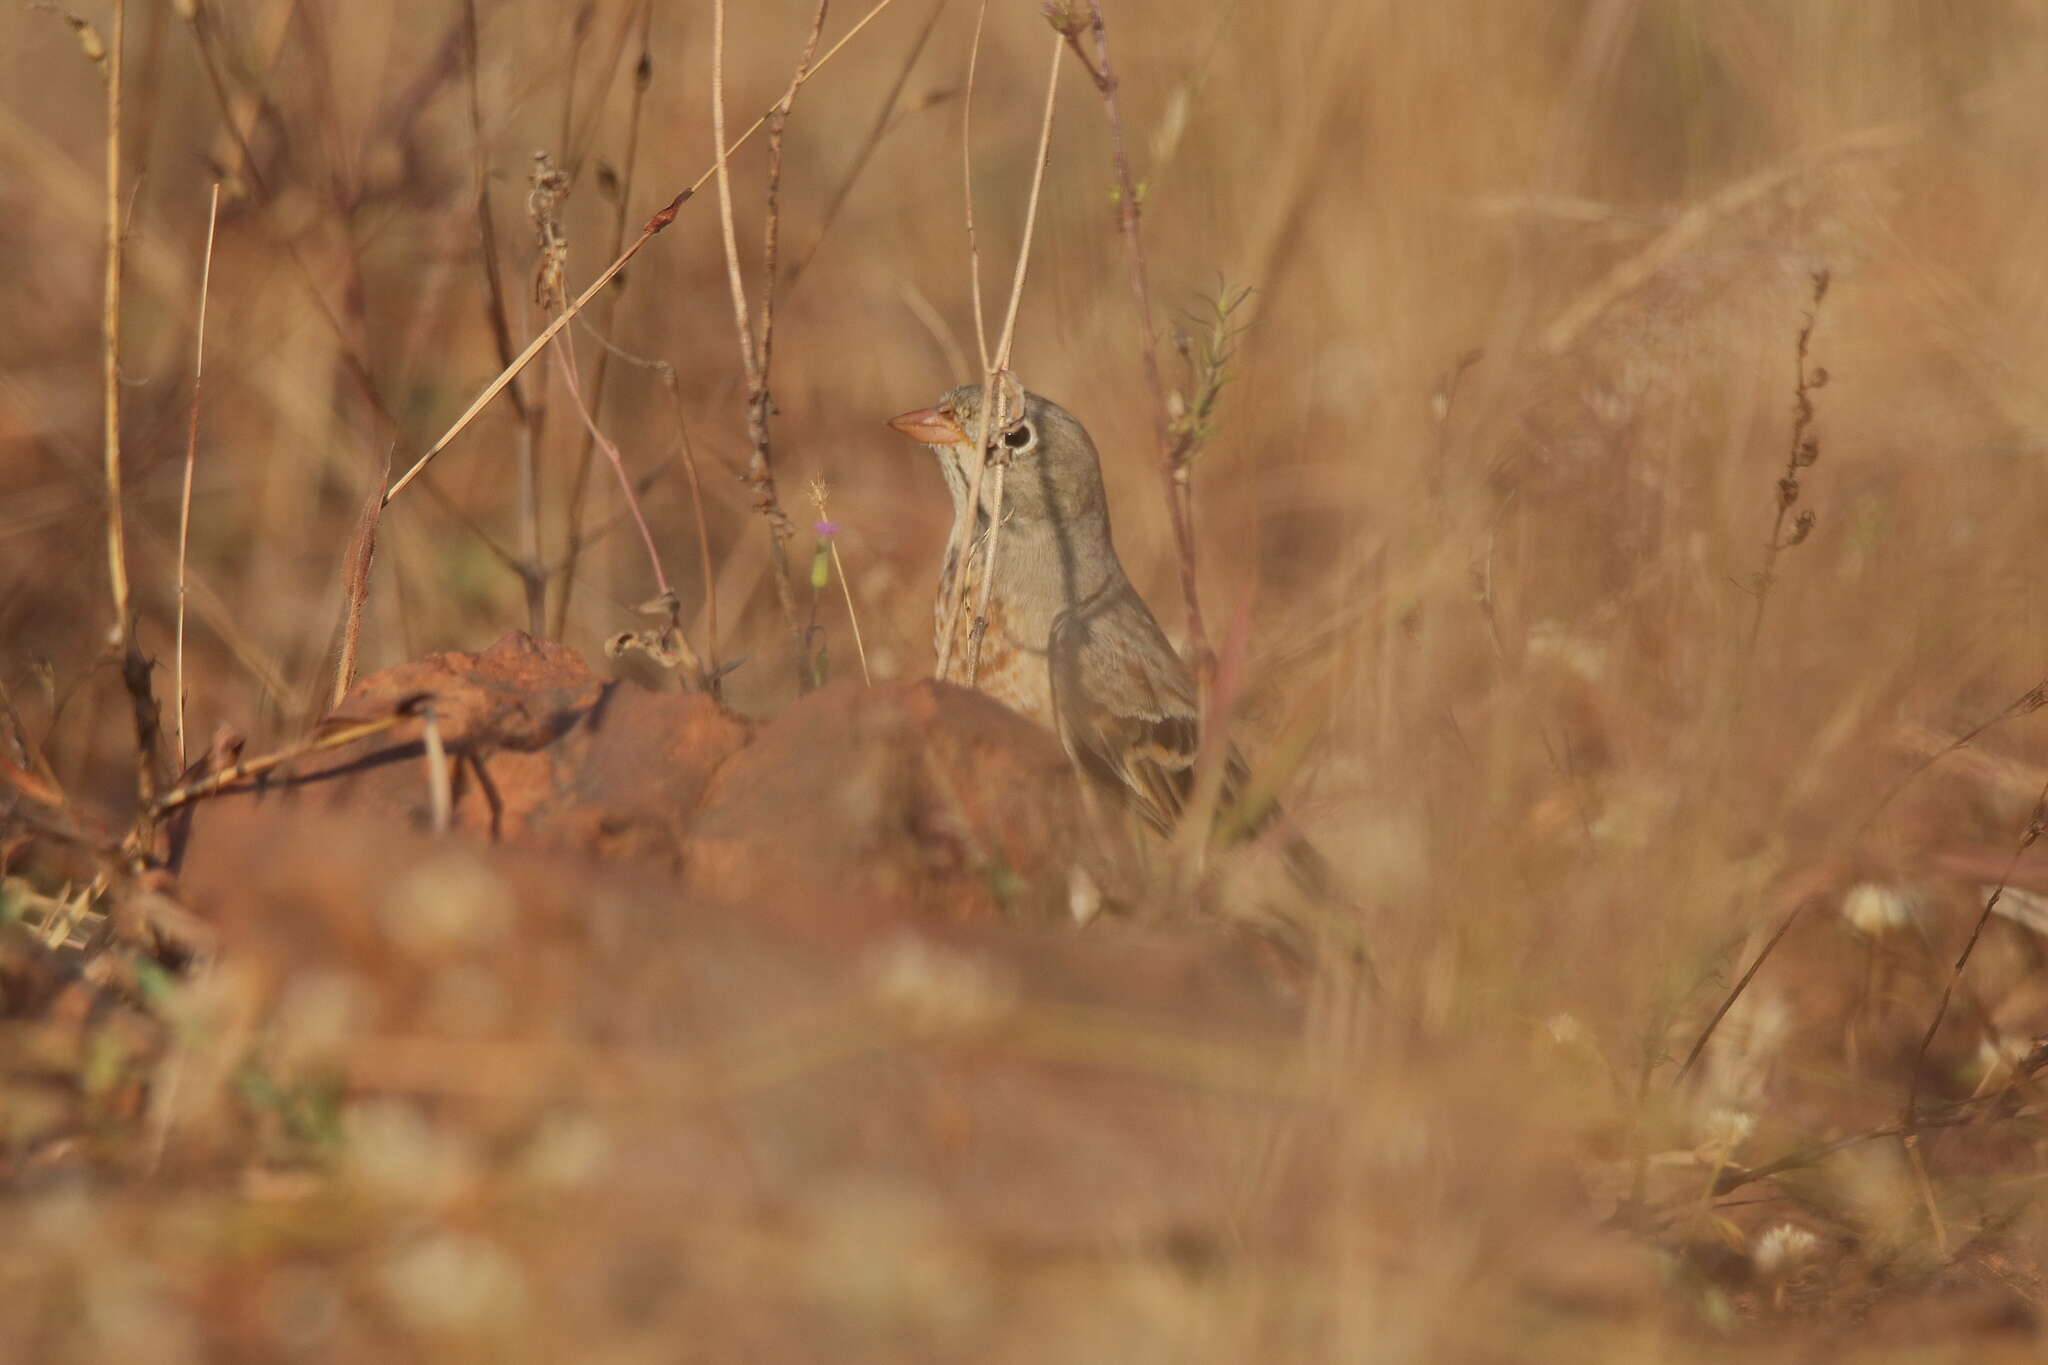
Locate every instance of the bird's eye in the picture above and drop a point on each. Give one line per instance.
(1017, 437)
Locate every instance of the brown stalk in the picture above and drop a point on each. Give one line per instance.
(2036, 823)
(39, 782)
(350, 350)
(579, 33)
(666, 373)
(110, 325)
(350, 354)
(135, 670)
(967, 188)
(533, 348)
(2028, 702)
(185, 493)
(756, 349)
(771, 230)
(1802, 452)
(1733, 1177)
(221, 618)
(1212, 762)
(532, 416)
(802, 77)
(576, 145)
(332, 738)
(713, 671)
(884, 119)
(2025, 704)
(235, 115)
(643, 77)
(995, 415)
(355, 583)
(566, 359)
(486, 224)
(1173, 453)
(1756, 963)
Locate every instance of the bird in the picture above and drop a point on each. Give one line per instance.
(1069, 642)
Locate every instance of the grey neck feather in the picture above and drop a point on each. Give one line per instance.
(1059, 544)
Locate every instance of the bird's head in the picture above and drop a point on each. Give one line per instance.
(1053, 472)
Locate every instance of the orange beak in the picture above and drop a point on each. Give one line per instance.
(933, 426)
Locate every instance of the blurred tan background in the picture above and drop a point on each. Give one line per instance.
(1515, 598)
(1620, 203)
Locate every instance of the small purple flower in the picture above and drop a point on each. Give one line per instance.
(827, 529)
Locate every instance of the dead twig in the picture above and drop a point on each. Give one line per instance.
(621, 191)
(333, 737)
(135, 670)
(355, 582)
(828, 553)
(757, 347)
(684, 657)
(185, 492)
(1803, 452)
(533, 348)
(967, 189)
(2028, 702)
(885, 118)
(653, 226)
(666, 373)
(2036, 823)
(1002, 402)
(1175, 464)
(2025, 704)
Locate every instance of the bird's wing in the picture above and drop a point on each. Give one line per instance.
(1125, 703)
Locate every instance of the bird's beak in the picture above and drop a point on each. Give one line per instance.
(930, 425)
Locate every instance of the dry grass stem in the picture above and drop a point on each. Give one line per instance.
(567, 362)
(668, 644)
(533, 348)
(621, 193)
(135, 670)
(803, 77)
(2036, 823)
(333, 736)
(852, 616)
(885, 117)
(1198, 819)
(666, 374)
(440, 792)
(756, 347)
(829, 542)
(1003, 401)
(117, 546)
(391, 961)
(1173, 465)
(771, 224)
(350, 342)
(713, 670)
(356, 562)
(185, 489)
(486, 223)
(530, 412)
(967, 192)
(1803, 451)
(2028, 702)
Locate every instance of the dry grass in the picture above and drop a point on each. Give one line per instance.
(1578, 772)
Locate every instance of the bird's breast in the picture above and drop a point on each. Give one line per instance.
(1010, 664)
